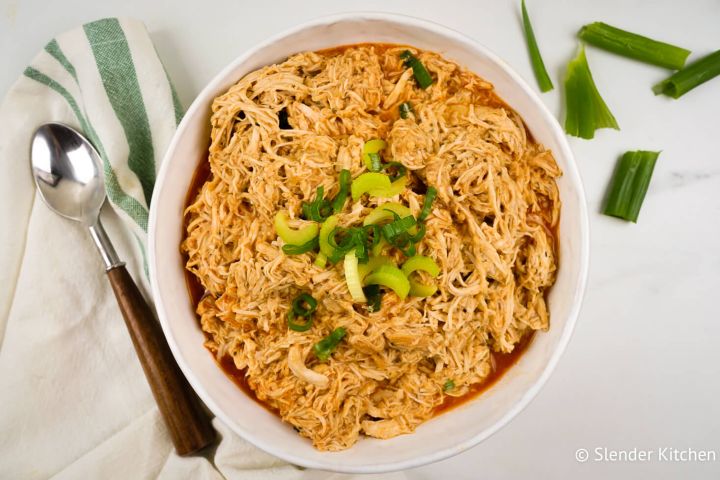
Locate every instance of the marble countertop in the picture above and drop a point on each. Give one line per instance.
(642, 370)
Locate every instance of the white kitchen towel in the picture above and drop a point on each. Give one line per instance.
(73, 399)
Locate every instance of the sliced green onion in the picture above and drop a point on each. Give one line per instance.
(390, 277)
(538, 65)
(373, 146)
(400, 170)
(303, 326)
(325, 347)
(425, 264)
(397, 227)
(326, 229)
(374, 297)
(338, 202)
(290, 249)
(375, 162)
(373, 264)
(319, 209)
(585, 110)
(427, 203)
(367, 182)
(320, 260)
(352, 278)
(634, 46)
(395, 188)
(293, 236)
(630, 184)
(385, 212)
(449, 385)
(422, 76)
(300, 302)
(697, 73)
(405, 109)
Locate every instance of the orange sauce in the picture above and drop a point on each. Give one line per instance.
(501, 362)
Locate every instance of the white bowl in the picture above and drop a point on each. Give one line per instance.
(447, 434)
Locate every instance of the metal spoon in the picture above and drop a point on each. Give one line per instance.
(69, 177)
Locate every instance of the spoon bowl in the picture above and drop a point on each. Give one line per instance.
(68, 172)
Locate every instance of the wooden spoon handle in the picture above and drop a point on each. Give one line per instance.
(189, 426)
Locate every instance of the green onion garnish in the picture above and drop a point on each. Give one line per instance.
(339, 201)
(538, 65)
(585, 110)
(319, 209)
(372, 146)
(634, 46)
(698, 72)
(373, 294)
(630, 184)
(290, 249)
(449, 385)
(304, 305)
(391, 277)
(375, 162)
(397, 167)
(427, 203)
(324, 348)
(422, 76)
(405, 109)
(296, 326)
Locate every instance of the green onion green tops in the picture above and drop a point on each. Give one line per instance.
(690, 77)
(629, 184)
(541, 74)
(325, 347)
(422, 76)
(634, 46)
(405, 109)
(303, 306)
(585, 110)
(449, 385)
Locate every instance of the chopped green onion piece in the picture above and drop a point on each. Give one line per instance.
(399, 168)
(320, 260)
(697, 73)
(385, 212)
(397, 227)
(324, 348)
(294, 236)
(391, 277)
(420, 262)
(585, 110)
(427, 203)
(326, 229)
(449, 385)
(422, 76)
(375, 162)
(405, 109)
(290, 249)
(426, 264)
(319, 209)
(367, 182)
(352, 278)
(634, 46)
(299, 327)
(299, 305)
(372, 146)
(538, 65)
(339, 201)
(395, 188)
(629, 184)
(374, 297)
(373, 264)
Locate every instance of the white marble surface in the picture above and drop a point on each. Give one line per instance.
(643, 368)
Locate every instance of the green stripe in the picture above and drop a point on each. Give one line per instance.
(117, 71)
(128, 204)
(54, 49)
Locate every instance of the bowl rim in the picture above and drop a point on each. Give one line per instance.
(199, 103)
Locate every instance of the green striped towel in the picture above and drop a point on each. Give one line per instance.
(123, 100)
(71, 389)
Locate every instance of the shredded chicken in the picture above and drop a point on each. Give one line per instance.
(491, 230)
